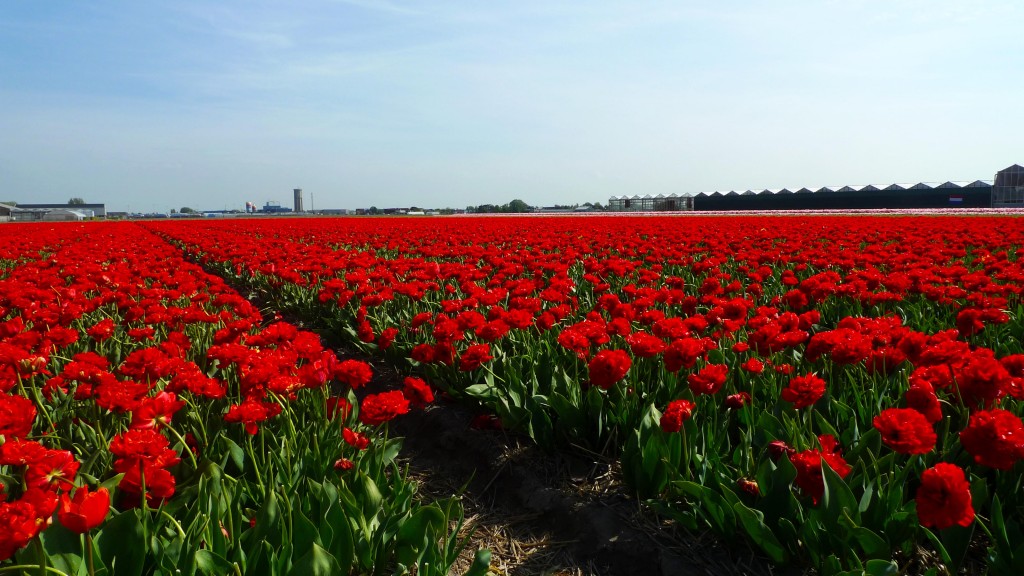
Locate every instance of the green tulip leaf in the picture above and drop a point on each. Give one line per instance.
(317, 562)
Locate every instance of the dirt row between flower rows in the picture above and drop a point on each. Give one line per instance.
(552, 513)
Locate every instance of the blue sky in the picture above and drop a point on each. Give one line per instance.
(161, 104)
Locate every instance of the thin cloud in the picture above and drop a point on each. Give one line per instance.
(381, 6)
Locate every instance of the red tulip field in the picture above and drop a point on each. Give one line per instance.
(839, 393)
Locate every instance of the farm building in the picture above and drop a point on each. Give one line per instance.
(1006, 191)
(97, 210)
(648, 203)
(34, 213)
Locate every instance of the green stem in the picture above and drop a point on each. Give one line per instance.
(38, 543)
(144, 503)
(686, 453)
(252, 456)
(188, 450)
(37, 399)
(89, 554)
(20, 568)
(177, 525)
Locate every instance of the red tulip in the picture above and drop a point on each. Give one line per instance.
(84, 511)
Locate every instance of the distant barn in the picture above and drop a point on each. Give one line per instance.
(97, 210)
(1006, 191)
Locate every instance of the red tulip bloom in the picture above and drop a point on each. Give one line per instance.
(85, 510)
(608, 367)
(146, 365)
(969, 321)
(776, 448)
(709, 380)
(380, 408)
(675, 414)
(493, 330)
(417, 392)
(995, 438)
(21, 452)
(645, 345)
(423, 353)
(981, 381)
(355, 373)
(17, 414)
(683, 353)
(576, 341)
(157, 411)
(944, 497)
(474, 357)
(804, 391)
(387, 337)
(147, 446)
(749, 486)
(365, 332)
(19, 524)
(921, 397)
(251, 413)
(737, 400)
(160, 485)
(753, 365)
(355, 439)
(53, 469)
(905, 430)
(338, 407)
(809, 476)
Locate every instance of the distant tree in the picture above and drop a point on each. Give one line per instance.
(173, 211)
(517, 206)
(76, 201)
(374, 210)
(186, 210)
